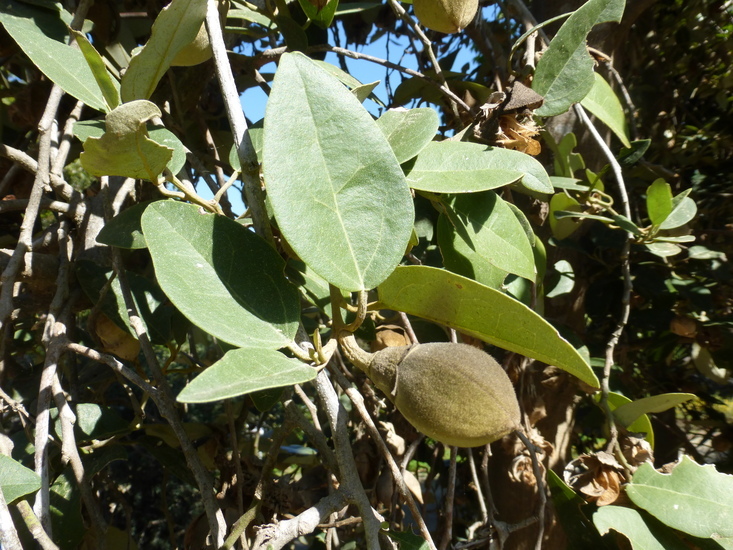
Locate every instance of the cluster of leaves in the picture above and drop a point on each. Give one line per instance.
(183, 289)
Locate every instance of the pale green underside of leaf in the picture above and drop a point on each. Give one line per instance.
(337, 191)
(41, 34)
(627, 414)
(603, 103)
(162, 136)
(220, 275)
(631, 524)
(462, 167)
(125, 149)
(564, 73)
(245, 370)
(694, 499)
(175, 27)
(16, 480)
(483, 312)
(408, 132)
(481, 230)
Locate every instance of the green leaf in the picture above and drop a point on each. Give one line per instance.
(166, 138)
(642, 535)
(641, 425)
(659, 201)
(93, 422)
(561, 227)
(628, 413)
(162, 136)
(109, 87)
(43, 36)
(220, 275)
(463, 167)
(337, 191)
(483, 312)
(480, 229)
(16, 480)
(564, 73)
(408, 132)
(125, 148)
(125, 229)
(245, 370)
(321, 17)
(692, 498)
(603, 102)
(175, 27)
(683, 211)
(663, 250)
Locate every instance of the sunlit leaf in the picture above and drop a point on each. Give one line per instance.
(480, 311)
(337, 191)
(564, 73)
(43, 36)
(408, 132)
(220, 275)
(692, 498)
(603, 102)
(463, 167)
(175, 27)
(245, 370)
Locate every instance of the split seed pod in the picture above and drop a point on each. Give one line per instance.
(453, 393)
(448, 16)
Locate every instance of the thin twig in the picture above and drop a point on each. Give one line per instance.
(450, 500)
(626, 271)
(70, 452)
(428, 45)
(358, 401)
(8, 535)
(35, 527)
(275, 537)
(344, 456)
(477, 485)
(390, 65)
(539, 480)
(245, 150)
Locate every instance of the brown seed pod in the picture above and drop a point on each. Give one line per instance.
(453, 393)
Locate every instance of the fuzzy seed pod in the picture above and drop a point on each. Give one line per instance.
(448, 16)
(453, 393)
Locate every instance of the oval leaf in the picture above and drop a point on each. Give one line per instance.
(408, 132)
(628, 413)
(642, 535)
(683, 210)
(564, 73)
(462, 167)
(336, 188)
(480, 229)
(16, 480)
(245, 370)
(603, 102)
(659, 201)
(694, 499)
(220, 275)
(125, 229)
(42, 35)
(175, 27)
(483, 312)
